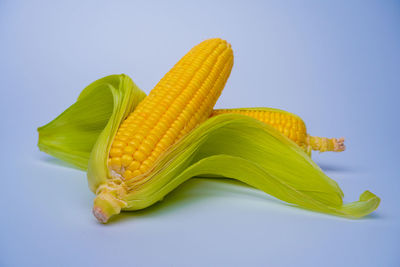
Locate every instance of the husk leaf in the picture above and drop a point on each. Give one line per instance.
(242, 148)
(71, 136)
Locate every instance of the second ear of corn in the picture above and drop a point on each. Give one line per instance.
(290, 125)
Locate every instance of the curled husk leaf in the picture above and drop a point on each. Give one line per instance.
(237, 147)
(229, 145)
(72, 135)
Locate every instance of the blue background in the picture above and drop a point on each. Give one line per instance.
(334, 63)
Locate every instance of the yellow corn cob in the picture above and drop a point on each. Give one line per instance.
(183, 98)
(291, 125)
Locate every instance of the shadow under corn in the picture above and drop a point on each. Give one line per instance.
(326, 167)
(193, 191)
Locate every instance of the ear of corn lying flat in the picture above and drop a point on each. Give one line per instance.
(290, 125)
(138, 148)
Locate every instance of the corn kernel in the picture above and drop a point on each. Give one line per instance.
(115, 152)
(134, 165)
(139, 156)
(136, 173)
(115, 163)
(118, 144)
(128, 174)
(126, 160)
(129, 150)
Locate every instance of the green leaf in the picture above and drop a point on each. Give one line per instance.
(242, 148)
(71, 136)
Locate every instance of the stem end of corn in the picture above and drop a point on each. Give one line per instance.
(106, 205)
(323, 144)
(338, 144)
(100, 215)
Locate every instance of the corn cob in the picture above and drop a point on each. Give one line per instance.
(290, 125)
(178, 103)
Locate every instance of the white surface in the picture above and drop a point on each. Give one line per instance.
(334, 64)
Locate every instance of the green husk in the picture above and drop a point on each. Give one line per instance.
(242, 148)
(71, 136)
(229, 145)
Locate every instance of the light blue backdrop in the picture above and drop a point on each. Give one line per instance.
(335, 63)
